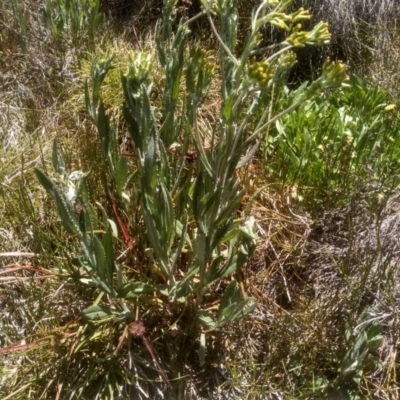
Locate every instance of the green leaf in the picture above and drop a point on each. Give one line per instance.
(232, 307)
(57, 159)
(136, 289)
(109, 255)
(236, 311)
(103, 126)
(68, 219)
(376, 342)
(100, 255)
(200, 249)
(207, 319)
(134, 130)
(230, 297)
(227, 108)
(181, 230)
(202, 349)
(121, 173)
(150, 175)
(98, 312)
(45, 181)
(165, 207)
(374, 330)
(89, 105)
(91, 215)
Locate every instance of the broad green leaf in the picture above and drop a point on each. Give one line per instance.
(98, 312)
(374, 330)
(227, 108)
(136, 289)
(236, 311)
(230, 296)
(376, 342)
(207, 319)
(200, 249)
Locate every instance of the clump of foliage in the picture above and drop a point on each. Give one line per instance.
(183, 188)
(330, 144)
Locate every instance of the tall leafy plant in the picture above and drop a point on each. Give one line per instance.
(187, 179)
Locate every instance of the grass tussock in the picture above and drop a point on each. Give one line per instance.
(320, 192)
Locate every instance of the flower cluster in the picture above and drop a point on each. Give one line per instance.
(283, 20)
(334, 73)
(139, 65)
(286, 61)
(261, 72)
(318, 36)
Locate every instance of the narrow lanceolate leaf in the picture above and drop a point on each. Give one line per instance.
(57, 159)
(109, 254)
(202, 349)
(134, 130)
(45, 181)
(153, 235)
(182, 239)
(68, 219)
(90, 214)
(248, 157)
(150, 174)
(89, 105)
(165, 204)
(100, 255)
(103, 126)
(121, 173)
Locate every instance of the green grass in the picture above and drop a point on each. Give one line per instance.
(324, 272)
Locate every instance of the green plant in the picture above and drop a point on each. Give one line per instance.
(183, 187)
(22, 26)
(80, 19)
(365, 339)
(331, 142)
